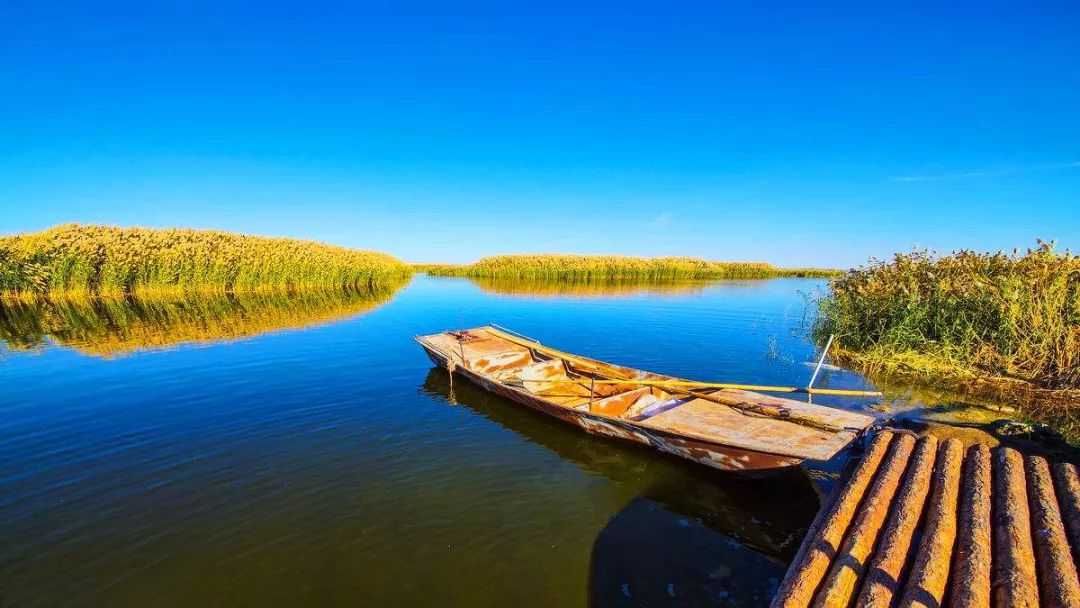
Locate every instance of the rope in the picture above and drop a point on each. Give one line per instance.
(450, 366)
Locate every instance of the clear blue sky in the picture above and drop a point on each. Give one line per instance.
(792, 132)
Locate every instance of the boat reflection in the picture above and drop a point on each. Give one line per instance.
(586, 288)
(114, 327)
(676, 541)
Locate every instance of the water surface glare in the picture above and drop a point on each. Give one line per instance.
(325, 463)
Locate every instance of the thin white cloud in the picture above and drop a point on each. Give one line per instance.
(662, 220)
(986, 173)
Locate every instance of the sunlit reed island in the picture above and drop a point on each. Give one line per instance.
(582, 267)
(977, 320)
(73, 260)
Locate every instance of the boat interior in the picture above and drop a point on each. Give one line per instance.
(568, 383)
(560, 381)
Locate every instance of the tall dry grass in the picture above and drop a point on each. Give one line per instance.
(966, 314)
(76, 259)
(592, 267)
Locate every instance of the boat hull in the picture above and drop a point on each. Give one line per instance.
(714, 455)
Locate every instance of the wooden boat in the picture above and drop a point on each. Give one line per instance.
(726, 428)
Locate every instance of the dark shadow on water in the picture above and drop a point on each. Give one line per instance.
(650, 554)
(691, 536)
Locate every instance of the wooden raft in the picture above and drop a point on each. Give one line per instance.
(928, 523)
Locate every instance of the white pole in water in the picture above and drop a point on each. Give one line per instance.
(820, 362)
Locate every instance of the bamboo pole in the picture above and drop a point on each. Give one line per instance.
(824, 536)
(1057, 573)
(770, 411)
(727, 385)
(689, 383)
(930, 572)
(850, 563)
(971, 579)
(1014, 584)
(673, 386)
(884, 574)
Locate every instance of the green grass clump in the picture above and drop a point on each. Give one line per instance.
(589, 267)
(79, 259)
(1015, 317)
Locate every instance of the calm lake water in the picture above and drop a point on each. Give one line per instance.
(303, 452)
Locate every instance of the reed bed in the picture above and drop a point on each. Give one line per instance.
(442, 270)
(592, 267)
(74, 259)
(966, 317)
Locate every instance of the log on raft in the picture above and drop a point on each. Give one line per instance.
(886, 569)
(930, 572)
(1014, 582)
(850, 563)
(1057, 573)
(823, 538)
(1068, 493)
(971, 578)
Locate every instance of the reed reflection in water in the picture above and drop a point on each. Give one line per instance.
(586, 288)
(111, 327)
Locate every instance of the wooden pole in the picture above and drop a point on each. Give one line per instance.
(551, 352)
(820, 362)
(726, 385)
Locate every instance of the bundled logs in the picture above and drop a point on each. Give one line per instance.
(923, 523)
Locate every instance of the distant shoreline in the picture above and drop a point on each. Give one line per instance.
(587, 267)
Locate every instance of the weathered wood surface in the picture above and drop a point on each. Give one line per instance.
(923, 524)
(709, 421)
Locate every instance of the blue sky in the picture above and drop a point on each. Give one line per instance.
(792, 132)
